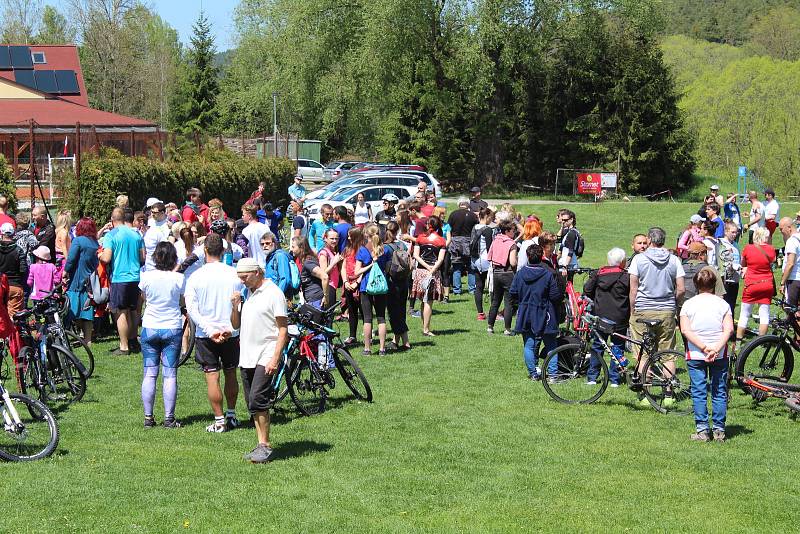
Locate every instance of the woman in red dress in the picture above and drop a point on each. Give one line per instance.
(427, 282)
(759, 284)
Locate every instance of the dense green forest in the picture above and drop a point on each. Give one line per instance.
(487, 91)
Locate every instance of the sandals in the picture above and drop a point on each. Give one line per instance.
(429, 334)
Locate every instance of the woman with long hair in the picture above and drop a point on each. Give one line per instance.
(81, 263)
(350, 281)
(63, 238)
(312, 277)
(329, 259)
(529, 236)
(690, 234)
(370, 254)
(162, 326)
(447, 279)
(398, 289)
(483, 232)
(427, 282)
(362, 211)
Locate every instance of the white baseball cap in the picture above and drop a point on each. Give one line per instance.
(7, 229)
(715, 187)
(151, 201)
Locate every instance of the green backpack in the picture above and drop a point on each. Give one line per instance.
(376, 283)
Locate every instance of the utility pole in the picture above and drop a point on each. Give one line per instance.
(275, 122)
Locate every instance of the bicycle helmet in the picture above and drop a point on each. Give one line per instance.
(219, 227)
(389, 197)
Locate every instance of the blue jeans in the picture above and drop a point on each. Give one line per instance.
(458, 268)
(594, 362)
(161, 345)
(698, 372)
(530, 351)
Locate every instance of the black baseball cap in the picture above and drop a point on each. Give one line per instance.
(475, 189)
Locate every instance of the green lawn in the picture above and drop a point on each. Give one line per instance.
(457, 440)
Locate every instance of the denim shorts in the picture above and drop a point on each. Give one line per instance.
(161, 345)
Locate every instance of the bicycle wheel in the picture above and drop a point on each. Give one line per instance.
(570, 383)
(793, 403)
(306, 388)
(352, 375)
(187, 343)
(665, 382)
(82, 351)
(31, 434)
(28, 372)
(67, 376)
(768, 357)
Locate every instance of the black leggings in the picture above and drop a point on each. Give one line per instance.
(376, 301)
(396, 306)
(480, 284)
(501, 292)
(351, 303)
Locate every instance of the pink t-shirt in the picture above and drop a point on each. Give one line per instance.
(335, 273)
(42, 278)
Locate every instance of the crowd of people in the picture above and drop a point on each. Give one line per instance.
(235, 278)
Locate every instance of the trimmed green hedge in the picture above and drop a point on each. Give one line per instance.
(7, 186)
(218, 173)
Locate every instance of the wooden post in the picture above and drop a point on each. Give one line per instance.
(133, 143)
(32, 164)
(96, 146)
(15, 164)
(244, 152)
(78, 154)
(160, 146)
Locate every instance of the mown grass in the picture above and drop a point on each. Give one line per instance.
(457, 440)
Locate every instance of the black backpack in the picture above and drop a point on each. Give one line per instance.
(580, 245)
(475, 240)
(400, 263)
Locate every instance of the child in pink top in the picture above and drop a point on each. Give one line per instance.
(42, 275)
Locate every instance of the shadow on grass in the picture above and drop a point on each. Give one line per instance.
(733, 431)
(296, 449)
(448, 331)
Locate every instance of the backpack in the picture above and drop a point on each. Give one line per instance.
(400, 264)
(294, 274)
(475, 241)
(580, 245)
(99, 292)
(376, 283)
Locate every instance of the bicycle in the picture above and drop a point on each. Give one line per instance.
(576, 305)
(30, 431)
(663, 379)
(762, 389)
(771, 356)
(187, 339)
(51, 308)
(314, 350)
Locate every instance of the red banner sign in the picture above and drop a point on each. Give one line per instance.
(589, 183)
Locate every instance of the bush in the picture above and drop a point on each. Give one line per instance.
(218, 173)
(7, 186)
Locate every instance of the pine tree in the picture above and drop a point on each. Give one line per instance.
(194, 108)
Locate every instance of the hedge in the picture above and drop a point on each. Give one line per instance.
(218, 173)
(7, 185)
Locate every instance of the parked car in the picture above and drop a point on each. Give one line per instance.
(336, 169)
(310, 169)
(377, 178)
(347, 197)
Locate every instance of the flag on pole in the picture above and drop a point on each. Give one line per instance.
(66, 142)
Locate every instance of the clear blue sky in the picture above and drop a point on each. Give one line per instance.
(181, 14)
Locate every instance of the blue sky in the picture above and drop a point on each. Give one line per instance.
(181, 14)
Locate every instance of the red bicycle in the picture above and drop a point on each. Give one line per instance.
(577, 305)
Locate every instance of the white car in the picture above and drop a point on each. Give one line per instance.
(374, 178)
(347, 197)
(310, 169)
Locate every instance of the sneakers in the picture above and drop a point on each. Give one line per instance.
(260, 455)
(382, 352)
(614, 385)
(535, 377)
(490, 330)
(416, 313)
(508, 333)
(481, 316)
(349, 341)
(149, 421)
(232, 422)
(591, 382)
(719, 435)
(702, 436)
(217, 427)
(446, 300)
(171, 423)
(120, 352)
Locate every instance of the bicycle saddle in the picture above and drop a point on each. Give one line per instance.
(649, 322)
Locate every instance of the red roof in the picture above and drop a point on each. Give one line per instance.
(57, 112)
(59, 57)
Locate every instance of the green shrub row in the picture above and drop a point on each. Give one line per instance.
(7, 186)
(218, 173)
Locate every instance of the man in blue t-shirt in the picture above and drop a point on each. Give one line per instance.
(124, 250)
(342, 226)
(296, 191)
(316, 233)
(272, 218)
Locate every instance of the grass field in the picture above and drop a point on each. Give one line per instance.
(457, 440)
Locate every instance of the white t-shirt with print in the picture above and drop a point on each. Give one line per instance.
(258, 332)
(706, 313)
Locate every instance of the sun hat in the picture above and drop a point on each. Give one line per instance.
(247, 265)
(7, 229)
(42, 252)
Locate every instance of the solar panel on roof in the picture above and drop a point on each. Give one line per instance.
(25, 77)
(21, 57)
(5, 59)
(46, 81)
(67, 82)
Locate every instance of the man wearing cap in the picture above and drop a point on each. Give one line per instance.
(14, 265)
(475, 203)
(461, 222)
(208, 301)
(717, 196)
(157, 231)
(771, 212)
(262, 324)
(296, 191)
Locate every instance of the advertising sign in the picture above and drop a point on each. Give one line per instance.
(608, 180)
(589, 183)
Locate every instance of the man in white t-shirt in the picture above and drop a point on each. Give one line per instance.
(790, 279)
(771, 212)
(157, 232)
(253, 232)
(208, 301)
(263, 325)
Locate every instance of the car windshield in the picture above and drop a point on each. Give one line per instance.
(344, 194)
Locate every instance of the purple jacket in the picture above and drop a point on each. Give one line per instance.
(42, 278)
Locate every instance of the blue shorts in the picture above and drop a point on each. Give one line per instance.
(161, 345)
(124, 296)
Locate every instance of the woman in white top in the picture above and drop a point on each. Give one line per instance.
(707, 230)
(529, 236)
(362, 212)
(162, 325)
(707, 324)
